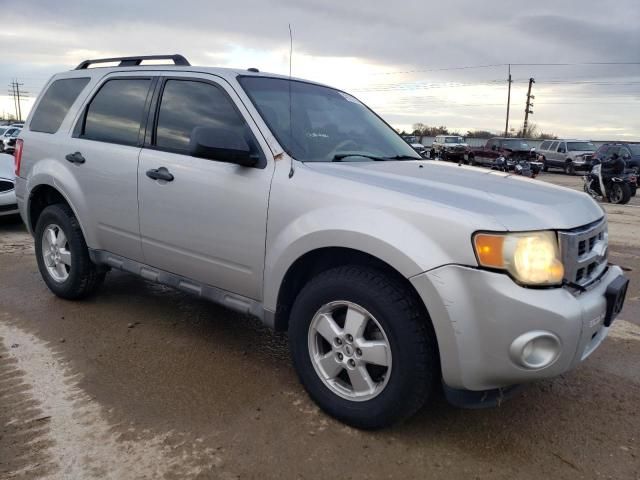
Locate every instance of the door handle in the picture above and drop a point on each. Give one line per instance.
(75, 157)
(160, 174)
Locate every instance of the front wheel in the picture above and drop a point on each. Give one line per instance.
(569, 168)
(362, 347)
(620, 193)
(62, 254)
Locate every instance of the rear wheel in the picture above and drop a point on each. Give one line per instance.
(620, 193)
(63, 256)
(545, 167)
(362, 347)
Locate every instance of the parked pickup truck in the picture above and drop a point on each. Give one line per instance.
(511, 149)
(293, 202)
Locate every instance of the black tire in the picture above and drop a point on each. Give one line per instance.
(432, 154)
(84, 277)
(545, 167)
(620, 193)
(415, 364)
(569, 168)
(471, 160)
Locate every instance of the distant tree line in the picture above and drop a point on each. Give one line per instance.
(422, 130)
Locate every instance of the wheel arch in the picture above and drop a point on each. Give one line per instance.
(40, 197)
(322, 259)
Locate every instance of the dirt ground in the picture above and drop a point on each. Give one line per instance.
(142, 381)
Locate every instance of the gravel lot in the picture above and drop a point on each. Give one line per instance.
(142, 381)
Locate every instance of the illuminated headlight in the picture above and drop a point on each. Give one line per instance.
(531, 258)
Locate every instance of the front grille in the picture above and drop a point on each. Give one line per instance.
(584, 252)
(6, 185)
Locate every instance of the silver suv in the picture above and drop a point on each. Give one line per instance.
(294, 202)
(569, 155)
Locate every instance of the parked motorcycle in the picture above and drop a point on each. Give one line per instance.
(615, 185)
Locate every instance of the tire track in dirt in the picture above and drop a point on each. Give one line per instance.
(52, 429)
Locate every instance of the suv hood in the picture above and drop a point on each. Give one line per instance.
(517, 203)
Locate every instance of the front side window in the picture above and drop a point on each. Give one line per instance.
(115, 114)
(187, 104)
(561, 147)
(580, 147)
(55, 104)
(314, 123)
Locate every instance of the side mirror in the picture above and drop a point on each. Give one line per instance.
(222, 144)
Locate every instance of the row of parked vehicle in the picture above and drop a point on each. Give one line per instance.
(611, 169)
(8, 136)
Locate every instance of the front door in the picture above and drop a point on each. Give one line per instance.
(208, 221)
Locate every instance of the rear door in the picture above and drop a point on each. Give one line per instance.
(552, 155)
(103, 157)
(490, 152)
(209, 222)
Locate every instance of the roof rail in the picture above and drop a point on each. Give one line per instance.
(135, 61)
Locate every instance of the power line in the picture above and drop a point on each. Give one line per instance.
(496, 65)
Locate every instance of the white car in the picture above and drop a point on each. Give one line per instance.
(6, 134)
(8, 205)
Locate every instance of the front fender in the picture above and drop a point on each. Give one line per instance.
(380, 234)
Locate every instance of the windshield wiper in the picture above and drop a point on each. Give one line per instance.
(340, 156)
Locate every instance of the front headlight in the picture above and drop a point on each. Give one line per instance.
(532, 258)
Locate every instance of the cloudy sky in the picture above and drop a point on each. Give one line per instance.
(412, 61)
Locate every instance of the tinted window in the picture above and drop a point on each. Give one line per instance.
(55, 104)
(545, 145)
(115, 113)
(187, 104)
(581, 146)
(554, 145)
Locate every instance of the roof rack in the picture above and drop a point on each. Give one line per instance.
(135, 61)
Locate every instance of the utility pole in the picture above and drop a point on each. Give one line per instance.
(16, 94)
(506, 126)
(527, 109)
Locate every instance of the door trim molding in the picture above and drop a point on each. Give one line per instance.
(233, 301)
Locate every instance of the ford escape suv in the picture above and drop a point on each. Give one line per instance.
(293, 202)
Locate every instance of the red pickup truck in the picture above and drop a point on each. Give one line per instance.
(511, 149)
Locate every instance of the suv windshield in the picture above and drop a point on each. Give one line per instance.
(515, 144)
(453, 140)
(320, 124)
(581, 147)
(634, 147)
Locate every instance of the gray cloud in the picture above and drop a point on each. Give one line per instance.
(412, 35)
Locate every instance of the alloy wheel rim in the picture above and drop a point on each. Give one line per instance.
(616, 193)
(349, 351)
(56, 253)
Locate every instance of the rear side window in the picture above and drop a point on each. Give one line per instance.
(553, 146)
(187, 104)
(115, 114)
(545, 145)
(55, 104)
